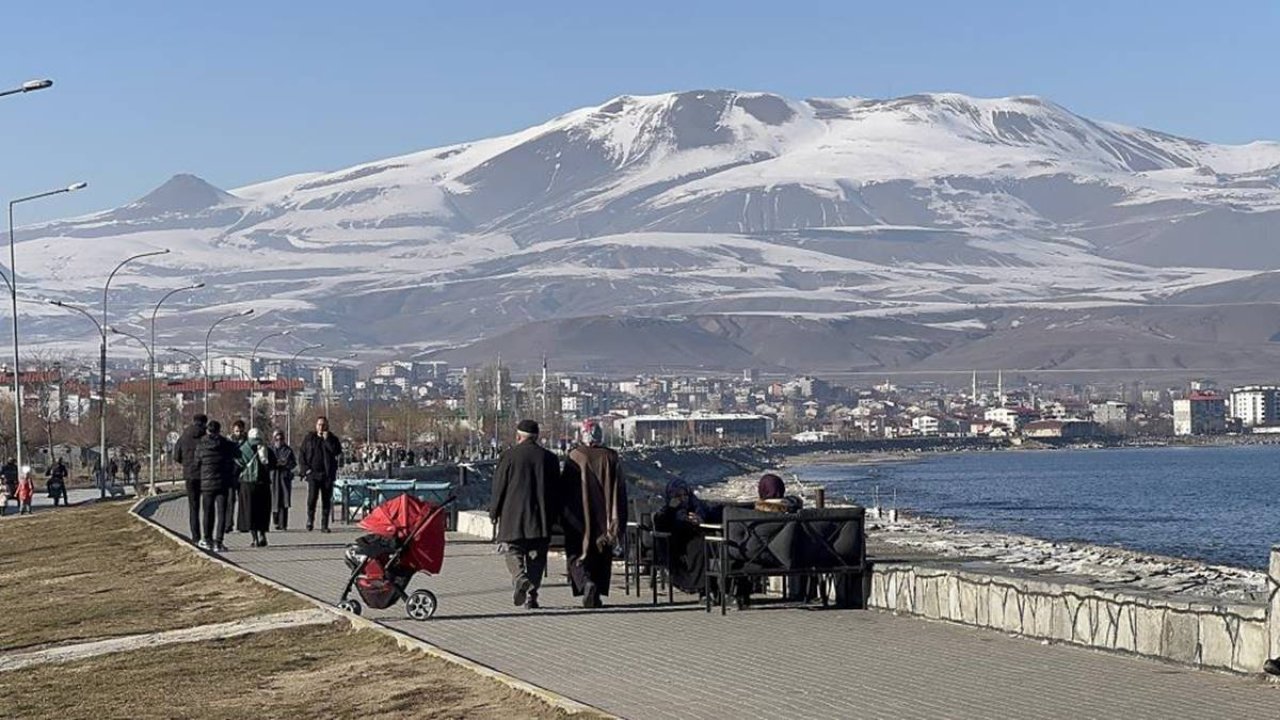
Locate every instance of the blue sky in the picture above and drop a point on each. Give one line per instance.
(243, 91)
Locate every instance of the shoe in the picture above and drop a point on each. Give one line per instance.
(590, 596)
(1271, 667)
(324, 529)
(309, 527)
(203, 544)
(531, 603)
(219, 548)
(262, 540)
(521, 594)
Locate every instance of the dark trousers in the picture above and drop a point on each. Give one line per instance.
(193, 508)
(229, 517)
(527, 560)
(214, 505)
(322, 489)
(595, 568)
(281, 518)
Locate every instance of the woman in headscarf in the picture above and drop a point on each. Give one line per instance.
(681, 518)
(773, 497)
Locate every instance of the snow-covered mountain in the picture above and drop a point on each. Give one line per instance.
(898, 232)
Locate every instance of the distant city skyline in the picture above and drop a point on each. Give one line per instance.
(245, 92)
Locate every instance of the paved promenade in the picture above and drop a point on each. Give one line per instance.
(775, 662)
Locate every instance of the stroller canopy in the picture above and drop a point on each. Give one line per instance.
(403, 515)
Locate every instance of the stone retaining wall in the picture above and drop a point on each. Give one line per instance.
(1221, 636)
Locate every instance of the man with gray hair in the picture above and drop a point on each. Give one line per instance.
(525, 504)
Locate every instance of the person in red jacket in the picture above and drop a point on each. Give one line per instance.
(26, 491)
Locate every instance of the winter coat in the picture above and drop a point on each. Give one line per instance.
(526, 493)
(216, 463)
(184, 452)
(255, 463)
(319, 458)
(282, 476)
(595, 501)
(26, 490)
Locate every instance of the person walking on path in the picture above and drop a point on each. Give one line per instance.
(256, 461)
(595, 513)
(9, 479)
(185, 454)
(320, 455)
(235, 508)
(525, 503)
(57, 483)
(282, 467)
(216, 465)
(26, 491)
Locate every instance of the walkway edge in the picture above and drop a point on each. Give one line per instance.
(554, 699)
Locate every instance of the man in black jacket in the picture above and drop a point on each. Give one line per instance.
(216, 465)
(525, 503)
(320, 456)
(184, 453)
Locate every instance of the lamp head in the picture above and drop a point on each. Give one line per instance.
(32, 85)
(77, 186)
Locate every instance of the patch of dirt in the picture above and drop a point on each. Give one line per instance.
(95, 571)
(314, 672)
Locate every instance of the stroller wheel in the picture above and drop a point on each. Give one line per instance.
(420, 605)
(351, 606)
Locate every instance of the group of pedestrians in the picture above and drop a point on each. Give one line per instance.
(239, 482)
(586, 499)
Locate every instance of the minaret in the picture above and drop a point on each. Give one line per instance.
(973, 393)
(1000, 387)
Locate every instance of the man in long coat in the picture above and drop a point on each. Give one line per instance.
(595, 513)
(525, 504)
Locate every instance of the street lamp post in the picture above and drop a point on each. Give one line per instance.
(151, 412)
(102, 395)
(28, 86)
(253, 359)
(151, 420)
(288, 393)
(207, 337)
(102, 356)
(12, 281)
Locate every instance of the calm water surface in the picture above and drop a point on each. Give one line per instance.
(1217, 504)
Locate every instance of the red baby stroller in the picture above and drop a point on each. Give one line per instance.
(406, 535)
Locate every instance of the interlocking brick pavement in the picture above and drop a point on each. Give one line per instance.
(770, 662)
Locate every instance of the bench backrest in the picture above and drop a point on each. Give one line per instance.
(830, 539)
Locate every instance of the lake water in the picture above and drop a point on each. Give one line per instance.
(1216, 504)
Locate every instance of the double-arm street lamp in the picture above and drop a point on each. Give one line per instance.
(102, 394)
(207, 337)
(253, 360)
(151, 430)
(28, 86)
(151, 412)
(194, 357)
(11, 280)
(288, 391)
(102, 356)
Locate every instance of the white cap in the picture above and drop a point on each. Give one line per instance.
(255, 434)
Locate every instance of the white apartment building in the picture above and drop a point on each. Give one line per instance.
(1255, 405)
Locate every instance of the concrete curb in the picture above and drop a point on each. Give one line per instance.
(554, 699)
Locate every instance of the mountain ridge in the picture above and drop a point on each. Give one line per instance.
(713, 203)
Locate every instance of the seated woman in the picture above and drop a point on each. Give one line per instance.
(681, 517)
(773, 497)
(771, 493)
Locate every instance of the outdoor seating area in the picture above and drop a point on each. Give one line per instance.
(812, 551)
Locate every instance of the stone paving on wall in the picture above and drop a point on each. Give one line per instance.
(774, 661)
